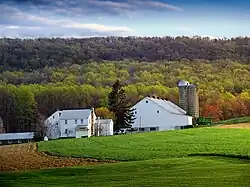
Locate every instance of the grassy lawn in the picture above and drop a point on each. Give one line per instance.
(145, 146)
(235, 121)
(188, 171)
(153, 159)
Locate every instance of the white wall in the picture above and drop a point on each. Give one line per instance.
(147, 114)
(57, 126)
(106, 129)
(71, 127)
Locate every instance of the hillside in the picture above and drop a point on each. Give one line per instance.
(234, 121)
(36, 54)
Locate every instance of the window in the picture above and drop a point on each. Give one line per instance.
(75, 121)
(66, 121)
(60, 114)
(152, 129)
(66, 131)
(146, 101)
(135, 112)
(53, 117)
(158, 111)
(81, 121)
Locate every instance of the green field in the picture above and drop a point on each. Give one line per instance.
(192, 157)
(155, 145)
(189, 171)
(245, 119)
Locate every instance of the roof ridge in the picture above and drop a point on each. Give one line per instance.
(177, 107)
(152, 99)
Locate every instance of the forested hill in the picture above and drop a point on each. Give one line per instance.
(31, 54)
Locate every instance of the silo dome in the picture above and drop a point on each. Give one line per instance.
(183, 83)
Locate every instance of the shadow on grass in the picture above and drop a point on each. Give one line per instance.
(242, 157)
(79, 157)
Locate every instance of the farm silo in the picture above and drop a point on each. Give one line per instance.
(183, 85)
(193, 101)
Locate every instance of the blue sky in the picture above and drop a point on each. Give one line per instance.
(87, 18)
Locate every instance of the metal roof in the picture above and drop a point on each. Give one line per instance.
(17, 136)
(183, 83)
(75, 114)
(168, 106)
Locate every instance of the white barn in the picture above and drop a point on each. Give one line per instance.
(155, 114)
(63, 124)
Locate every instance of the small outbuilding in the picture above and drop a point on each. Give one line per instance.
(104, 127)
(14, 138)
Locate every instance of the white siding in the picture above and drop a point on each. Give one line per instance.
(69, 129)
(81, 133)
(149, 114)
(106, 129)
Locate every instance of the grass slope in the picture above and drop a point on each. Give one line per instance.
(145, 146)
(153, 160)
(245, 119)
(189, 171)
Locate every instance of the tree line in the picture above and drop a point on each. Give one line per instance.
(35, 54)
(24, 107)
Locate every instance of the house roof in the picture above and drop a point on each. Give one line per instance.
(168, 106)
(75, 114)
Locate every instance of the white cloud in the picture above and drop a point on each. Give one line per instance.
(97, 27)
(54, 23)
(71, 17)
(22, 27)
(111, 4)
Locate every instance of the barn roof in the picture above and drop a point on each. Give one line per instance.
(168, 106)
(75, 114)
(17, 136)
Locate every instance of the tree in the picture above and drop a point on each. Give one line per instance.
(7, 109)
(25, 110)
(104, 113)
(120, 105)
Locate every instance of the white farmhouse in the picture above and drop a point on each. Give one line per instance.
(65, 123)
(155, 114)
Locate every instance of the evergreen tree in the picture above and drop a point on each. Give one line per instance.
(120, 106)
